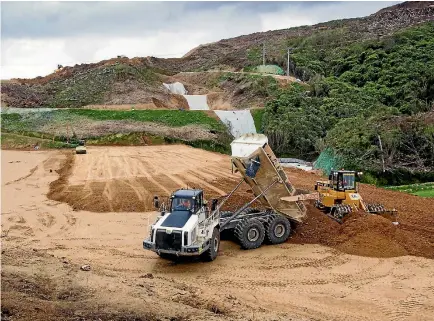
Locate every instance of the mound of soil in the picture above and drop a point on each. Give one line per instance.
(369, 234)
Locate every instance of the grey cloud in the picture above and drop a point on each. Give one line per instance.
(132, 19)
(62, 19)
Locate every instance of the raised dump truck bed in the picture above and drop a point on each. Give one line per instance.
(256, 162)
(253, 158)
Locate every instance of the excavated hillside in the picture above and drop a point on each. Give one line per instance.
(230, 54)
(113, 82)
(121, 81)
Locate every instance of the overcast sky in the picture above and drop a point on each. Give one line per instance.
(36, 36)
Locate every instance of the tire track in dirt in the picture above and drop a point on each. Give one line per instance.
(32, 171)
(121, 179)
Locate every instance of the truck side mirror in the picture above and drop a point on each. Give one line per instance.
(156, 202)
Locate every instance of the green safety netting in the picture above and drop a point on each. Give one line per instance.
(328, 160)
(270, 69)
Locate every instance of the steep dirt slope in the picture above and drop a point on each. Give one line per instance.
(111, 82)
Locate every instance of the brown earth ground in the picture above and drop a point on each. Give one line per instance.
(44, 243)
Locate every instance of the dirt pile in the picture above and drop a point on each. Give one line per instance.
(127, 179)
(370, 235)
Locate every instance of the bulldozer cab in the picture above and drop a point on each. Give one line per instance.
(343, 180)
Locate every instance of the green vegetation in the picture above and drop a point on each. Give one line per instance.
(14, 141)
(50, 128)
(424, 190)
(141, 138)
(91, 86)
(264, 86)
(173, 118)
(258, 115)
(426, 193)
(359, 93)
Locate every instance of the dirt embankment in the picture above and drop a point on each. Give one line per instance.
(371, 235)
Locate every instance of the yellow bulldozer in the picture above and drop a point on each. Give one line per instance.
(340, 196)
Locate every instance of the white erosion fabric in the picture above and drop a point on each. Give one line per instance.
(197, 102)
(240, 122)
(176, 88)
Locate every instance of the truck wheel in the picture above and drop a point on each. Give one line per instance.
(250, 233)
(224, 214)
(250, 210)
(212, 252)
(277, 229)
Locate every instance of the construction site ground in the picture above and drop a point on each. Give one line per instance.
(62, 211)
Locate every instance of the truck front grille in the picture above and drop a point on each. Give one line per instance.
(172, 241)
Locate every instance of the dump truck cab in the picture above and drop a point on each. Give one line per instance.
(186, 200)
(186, 229)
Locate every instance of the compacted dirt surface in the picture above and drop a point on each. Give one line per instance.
(73, 225)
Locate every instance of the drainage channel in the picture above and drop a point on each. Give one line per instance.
(239, 122)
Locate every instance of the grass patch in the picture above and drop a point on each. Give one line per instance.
(15, 141)
(131, 139)
(134, 139)
(31, 126)
(173, 118)
(422, 189)
(258, 115)
(425, 193)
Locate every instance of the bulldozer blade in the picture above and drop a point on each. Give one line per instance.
(391, 215)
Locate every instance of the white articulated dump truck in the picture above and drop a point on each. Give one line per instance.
(189, 226)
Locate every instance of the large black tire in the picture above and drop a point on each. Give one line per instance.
(210, 254)
(250, 233)
(224, 214)
(277, 229)
(250, 210)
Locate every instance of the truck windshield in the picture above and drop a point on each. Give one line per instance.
(182, 204)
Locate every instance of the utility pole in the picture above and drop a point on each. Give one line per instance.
(381, 146)
(263, 54)
(287, 63)
(382, 154)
